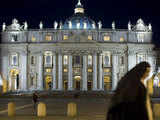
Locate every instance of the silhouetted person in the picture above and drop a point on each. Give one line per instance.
(131, 100)
(35, 99)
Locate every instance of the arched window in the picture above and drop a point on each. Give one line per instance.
(14, 59)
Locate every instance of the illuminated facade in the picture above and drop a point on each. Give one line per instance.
(75, 55)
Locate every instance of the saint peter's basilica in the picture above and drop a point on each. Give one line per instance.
(77, 54)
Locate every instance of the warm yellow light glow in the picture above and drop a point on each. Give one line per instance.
(89, 70)
(65, 70)
(48, 38)
(150, 86)
(121, 39)
(106, 70)
(48, 70)
(79, 10)
(107, 79)
(33, 39)
(106, 38)
(14, 72)
(65, 37)
(89, 37)
(78, 78)
(48, 79)
(4, 86)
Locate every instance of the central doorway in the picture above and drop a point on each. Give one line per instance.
(77, 80)
(48, 82)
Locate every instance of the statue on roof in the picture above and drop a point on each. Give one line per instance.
(4, 26)
(55, 25)
(41, 25)
(79, 3)
(15, 25)
(129, 26)
(60, 25)
(93, 25)
(25, 25)
(113, 25)
(150, 27)
(140, 25)
(70, 24)
(100, 25)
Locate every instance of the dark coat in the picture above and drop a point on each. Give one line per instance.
(130, 109)
(35, 97)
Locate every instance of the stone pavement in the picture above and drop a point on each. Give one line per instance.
(89, 108)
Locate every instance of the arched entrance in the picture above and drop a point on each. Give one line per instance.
(14, 82)
(77, 82)
(48, 82)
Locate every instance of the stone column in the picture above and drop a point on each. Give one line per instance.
(94, 71)
(40, 72)
(114, 71)
(131, 60)
(84, 73)
(70, 76)
(54, 82)
(60, 82)
(101, 87)
(24, 72)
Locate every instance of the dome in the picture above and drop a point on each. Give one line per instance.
(79, 21)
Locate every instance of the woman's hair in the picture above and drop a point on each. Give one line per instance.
(127, 87)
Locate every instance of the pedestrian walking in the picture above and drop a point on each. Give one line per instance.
(35, 99)
(131, 100)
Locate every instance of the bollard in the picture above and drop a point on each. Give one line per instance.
(156, 110)
(11, 109)
(41, 111)
(72, 110)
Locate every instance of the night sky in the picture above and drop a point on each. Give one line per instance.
(120, 11)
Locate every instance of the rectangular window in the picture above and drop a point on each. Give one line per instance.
(89, 37)
(48, 37)
(65, 70)
(121, 39)
(89, 70)
(106, 70)
(48, 70)
(107, 38)
(33, 39)
(65, 37)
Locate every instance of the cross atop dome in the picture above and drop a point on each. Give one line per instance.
(79, 8)
(79, 3)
